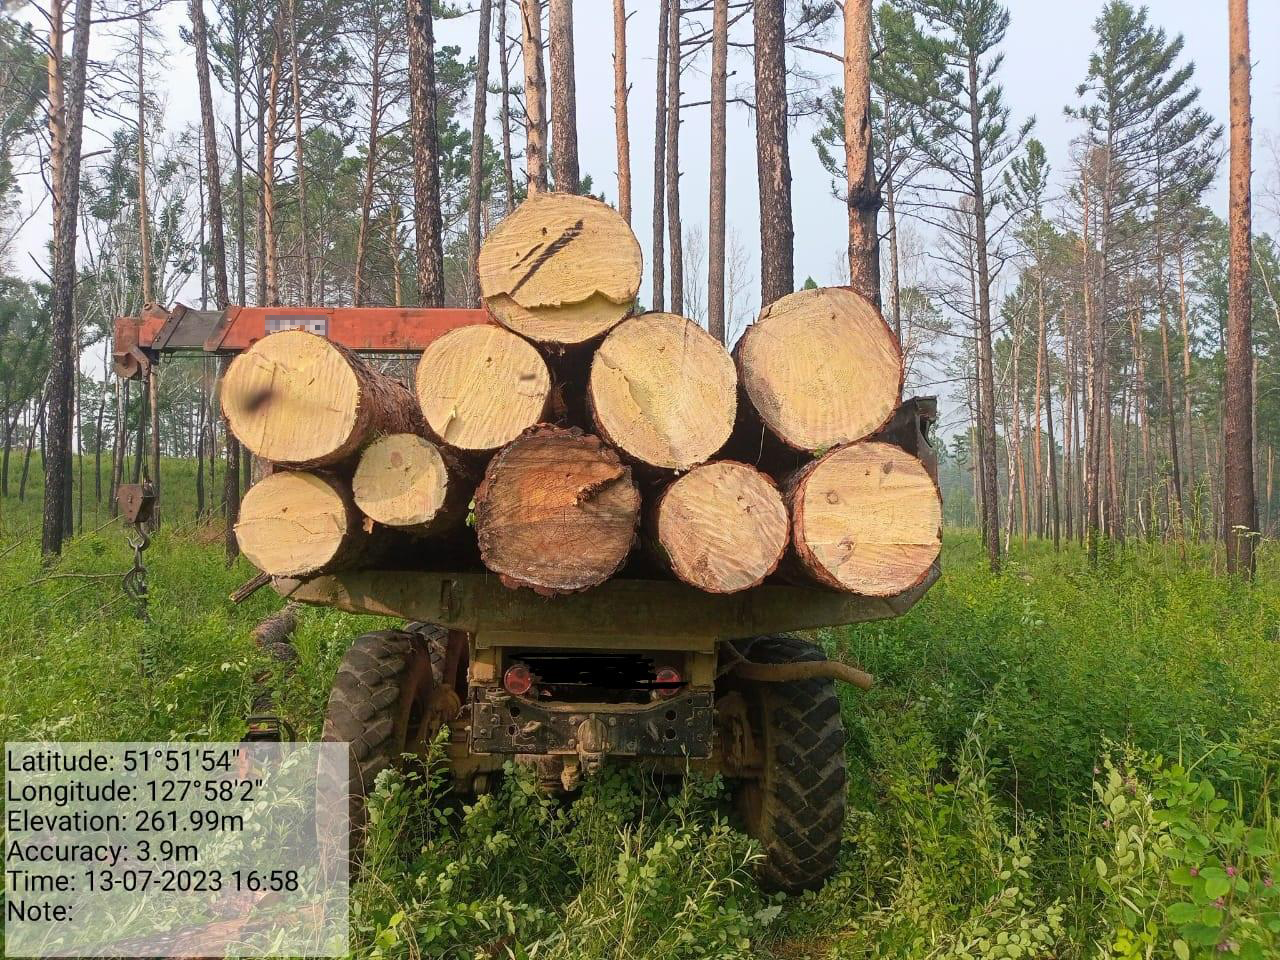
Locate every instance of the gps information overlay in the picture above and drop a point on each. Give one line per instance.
(175, 849)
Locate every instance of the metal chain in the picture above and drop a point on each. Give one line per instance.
(135, 581)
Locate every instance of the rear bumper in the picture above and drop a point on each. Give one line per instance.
(680, 726)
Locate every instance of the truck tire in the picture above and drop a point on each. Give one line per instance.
(796, 808)
(366, 705)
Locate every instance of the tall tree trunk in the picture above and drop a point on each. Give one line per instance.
(370, 158)
(564, 97)
(66, 128)
(217, 240)
(659, 159)
(716, 214)
(299, 159)
(621, 127)
(675, 227)
(1240, 511)
(426, 153)
(260, 213)
(535, 95)
(144, 219)
(895, 271)
(773, 159)
(270, 241)
(237, 142)
(504, 117)
(863, 195)
(478, 117)
(987, 418)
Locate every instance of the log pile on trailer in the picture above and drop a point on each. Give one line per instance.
(573, 439)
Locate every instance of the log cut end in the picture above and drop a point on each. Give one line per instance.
(480, 387)
(557, 511)
(562, 269)
(294, 523)
(297, 399)
(722, 527)
(663, 391)
(403, 481)
(866, 518)
(821, 367)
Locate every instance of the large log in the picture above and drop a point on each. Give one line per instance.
(821, 368)
(722, 527)
(480, 387)
(300, 400)
(562, 269)
(407, 482)
(663, 391)
(865, 518)
(296, 522)
(557, 511)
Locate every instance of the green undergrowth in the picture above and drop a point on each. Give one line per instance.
(1065, 760)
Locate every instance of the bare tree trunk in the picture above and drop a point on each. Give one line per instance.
(508, 175)
(66, 128)
(1188, 438)
(564, 97)
(659, 159)
(237, 79)
(271, 256)
(478, 117)
(863, 194)
(144, 218)
(1240, 510)
(370, 158)
(622, 133)
(985, 372)
(675, 238)
(535, 95)
(716, 214)
(773, 159)
(299, 158)
(218, 251)
(260, 114)
(895, 273)
(426, 153)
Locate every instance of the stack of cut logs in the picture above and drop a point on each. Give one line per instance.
(547, 444)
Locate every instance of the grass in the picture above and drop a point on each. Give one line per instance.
(1062, 761)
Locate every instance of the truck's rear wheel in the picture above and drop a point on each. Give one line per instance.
(796, 805)
(378, 701)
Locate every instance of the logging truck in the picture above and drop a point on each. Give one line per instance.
(601, 528)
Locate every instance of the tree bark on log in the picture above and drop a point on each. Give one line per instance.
(300, 400)
(561, 270)
(722, 527)
(480, 387)
(296, 522)
(621, 127)
(821, 368)
(557, 512)
(866, 518)
(407, 482)
(663, 391)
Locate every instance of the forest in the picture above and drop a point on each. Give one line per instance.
(1068, 748)
(1089, 291)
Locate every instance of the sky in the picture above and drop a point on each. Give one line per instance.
(1046, 56)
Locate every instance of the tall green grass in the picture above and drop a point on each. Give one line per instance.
(1063, 761)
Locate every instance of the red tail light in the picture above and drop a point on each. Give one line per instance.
(517, 680)
(667, 681)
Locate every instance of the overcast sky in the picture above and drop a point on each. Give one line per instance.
(1046, 52)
